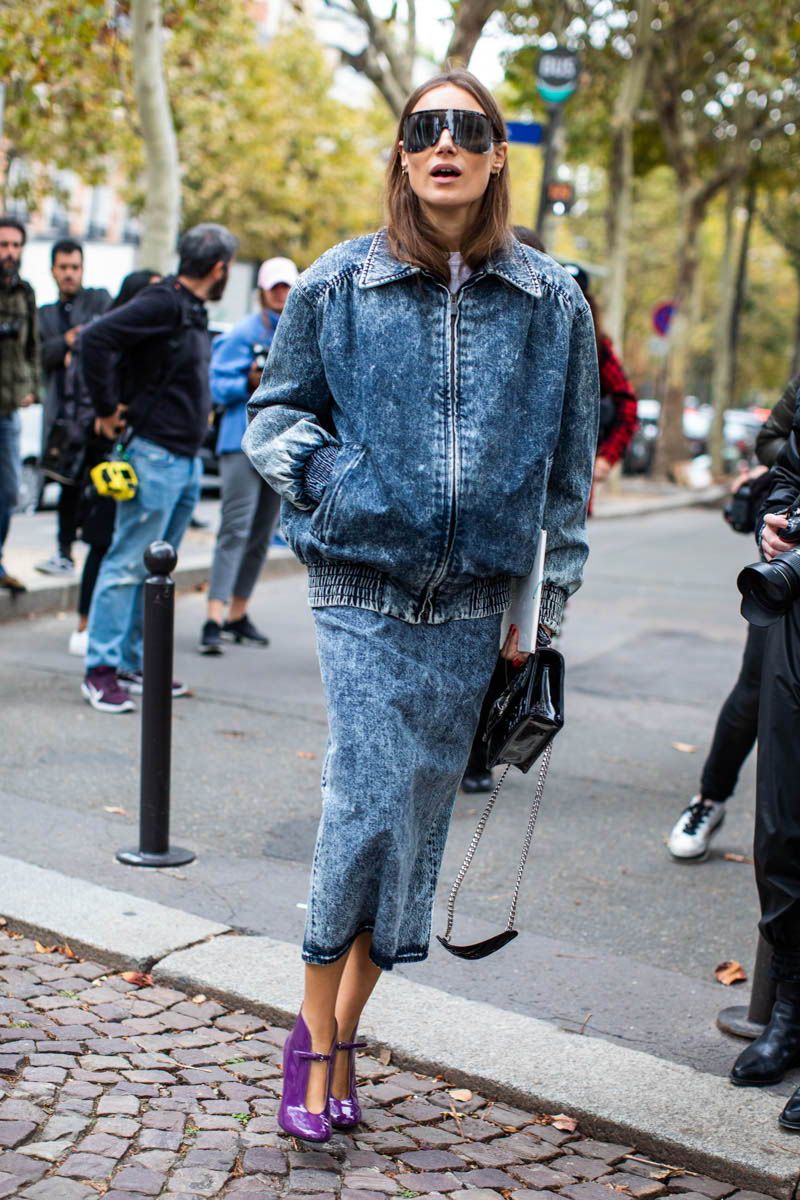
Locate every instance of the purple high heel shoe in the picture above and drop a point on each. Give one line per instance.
(346, 1114)
(293, 1116)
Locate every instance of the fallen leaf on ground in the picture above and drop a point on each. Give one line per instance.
(730, 972)
(384, 1056)
(305, 754)
(199, 999)
(461, 1094)
(116, 810)
(684, 747)
(66, 950)
(730, 857)
(564, 1123)
(138, 977)
(40, 949)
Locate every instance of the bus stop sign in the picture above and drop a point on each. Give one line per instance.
(557, 74)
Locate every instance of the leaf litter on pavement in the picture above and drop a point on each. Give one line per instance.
(730, 972)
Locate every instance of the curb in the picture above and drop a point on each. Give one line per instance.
(671, 1111)
(613, 510)
(63, 597)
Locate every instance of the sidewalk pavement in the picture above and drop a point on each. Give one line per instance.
(146, 1084)
(119, 1086)
(32, 539)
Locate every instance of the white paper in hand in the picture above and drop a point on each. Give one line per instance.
(526, 602)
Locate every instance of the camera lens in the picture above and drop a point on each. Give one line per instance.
(769, 589)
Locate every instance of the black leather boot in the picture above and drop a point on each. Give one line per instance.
(777, 1050)
(790, 1117)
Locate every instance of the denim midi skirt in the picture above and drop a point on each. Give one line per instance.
(403, 706)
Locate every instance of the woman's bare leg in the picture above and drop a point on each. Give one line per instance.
(319, 1009)
(355, 988)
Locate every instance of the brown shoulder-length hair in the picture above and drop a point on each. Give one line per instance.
(412, 237)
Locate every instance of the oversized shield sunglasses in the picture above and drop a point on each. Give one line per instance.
(470, 130)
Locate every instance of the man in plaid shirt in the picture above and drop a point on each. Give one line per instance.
(19, 372)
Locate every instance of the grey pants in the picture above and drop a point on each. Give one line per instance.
(249, 516)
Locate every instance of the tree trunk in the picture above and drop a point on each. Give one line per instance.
(796, 352)
(740, 290)
(471, 17)
(722, 372)
(672, 446)
(620, 173)
(162, 179)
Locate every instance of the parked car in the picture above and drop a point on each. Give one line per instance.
(639, 456)
(34, 490)
(740, 428)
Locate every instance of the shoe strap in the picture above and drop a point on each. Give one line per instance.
(351, 1045)
(310, 1056)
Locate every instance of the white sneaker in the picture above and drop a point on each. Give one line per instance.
(79, 642)
(694, 829)
(58, 564)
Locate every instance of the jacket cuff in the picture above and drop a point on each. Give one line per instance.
(552, 611)
(318, 468)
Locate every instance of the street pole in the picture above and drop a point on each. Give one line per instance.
(156, 754)
(749, 1022)
(554, 115)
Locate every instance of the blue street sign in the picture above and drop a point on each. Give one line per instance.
(528, 133)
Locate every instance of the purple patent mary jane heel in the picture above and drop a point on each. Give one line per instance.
(346, 1113)
(293, 1116)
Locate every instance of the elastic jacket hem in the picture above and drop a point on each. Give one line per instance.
(349, 585)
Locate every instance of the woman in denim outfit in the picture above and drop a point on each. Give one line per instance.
(429, 405)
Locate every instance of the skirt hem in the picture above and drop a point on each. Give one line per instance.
(316, 956)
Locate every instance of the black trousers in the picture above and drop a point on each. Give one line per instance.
(68, 503)
(777, 837)
(737, 723)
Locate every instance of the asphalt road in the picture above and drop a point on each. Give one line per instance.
(617, 941)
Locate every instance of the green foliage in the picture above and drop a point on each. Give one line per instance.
(264, 146)
(64, 102)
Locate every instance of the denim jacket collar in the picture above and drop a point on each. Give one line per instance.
(380, 266)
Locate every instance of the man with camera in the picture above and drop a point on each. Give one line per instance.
(19, 373)
(771, 601)
(737, 724)
(149, 358)
(59, 326)
(249, 505)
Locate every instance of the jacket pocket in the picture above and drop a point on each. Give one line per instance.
(323, 521)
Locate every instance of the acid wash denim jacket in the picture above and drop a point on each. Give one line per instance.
(421, 440)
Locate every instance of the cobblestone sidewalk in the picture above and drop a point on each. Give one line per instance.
(110, 1086)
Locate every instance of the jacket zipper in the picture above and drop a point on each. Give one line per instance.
(427, 604)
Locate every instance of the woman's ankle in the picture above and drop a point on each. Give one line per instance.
(322, 1030)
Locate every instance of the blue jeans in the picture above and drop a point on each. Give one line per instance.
(9, 474)
(169, 486)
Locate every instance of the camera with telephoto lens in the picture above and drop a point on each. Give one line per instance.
(260, 355)
(769, 589)
(9, 330)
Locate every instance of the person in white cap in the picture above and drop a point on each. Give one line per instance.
(249, 505)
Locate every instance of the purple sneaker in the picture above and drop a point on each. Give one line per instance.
(101, 688)
(133, 682)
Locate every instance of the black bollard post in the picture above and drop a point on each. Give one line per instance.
(159, 620)
(749, 1022)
